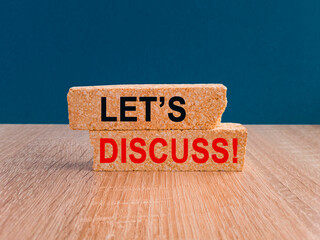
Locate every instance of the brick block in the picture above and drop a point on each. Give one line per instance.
(219, 149)
(125, 107)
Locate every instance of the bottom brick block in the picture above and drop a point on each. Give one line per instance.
(220, 149)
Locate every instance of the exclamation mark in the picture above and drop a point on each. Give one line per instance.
(235, 149)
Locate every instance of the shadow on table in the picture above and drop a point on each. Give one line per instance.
(80, 166)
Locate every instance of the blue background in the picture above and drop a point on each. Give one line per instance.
(266, 52)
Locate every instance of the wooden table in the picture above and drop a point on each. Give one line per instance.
(48, 190)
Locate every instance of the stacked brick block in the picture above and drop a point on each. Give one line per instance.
(158, 127)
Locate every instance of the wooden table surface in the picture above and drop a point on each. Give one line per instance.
(48, 190)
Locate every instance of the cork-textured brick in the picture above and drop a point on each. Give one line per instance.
(203, 104)
(123, 144)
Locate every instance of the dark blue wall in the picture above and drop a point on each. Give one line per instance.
(266, 52)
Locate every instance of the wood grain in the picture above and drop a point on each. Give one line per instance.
(48, 190)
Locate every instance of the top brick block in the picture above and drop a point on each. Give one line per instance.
(154, 106)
